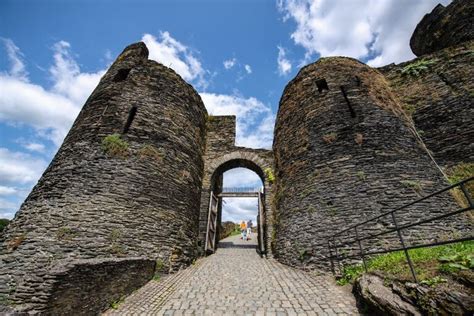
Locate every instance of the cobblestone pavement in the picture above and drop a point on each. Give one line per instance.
(236, 281)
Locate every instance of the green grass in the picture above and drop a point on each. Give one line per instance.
(236, 231)
(429, 263)
(460, 172)
(116, 304)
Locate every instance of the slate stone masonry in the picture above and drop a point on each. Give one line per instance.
(92, 285)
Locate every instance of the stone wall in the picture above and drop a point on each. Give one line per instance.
(444, 27)
(439, 96)
(122, 201)
(88, 287)
(222, 155)
(344, 152)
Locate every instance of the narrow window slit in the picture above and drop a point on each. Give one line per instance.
(353, 114)
(121, 75)
(358, 81)
(322, 85)
(131, 116)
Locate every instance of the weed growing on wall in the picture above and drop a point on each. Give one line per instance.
(269, 175)
(329, 138)
(416, 68)
(114, 145)
(150, 151)
(415, 185)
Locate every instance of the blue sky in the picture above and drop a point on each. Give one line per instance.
(239, 55)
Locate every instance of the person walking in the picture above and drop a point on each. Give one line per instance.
(243, 230)
(249, 228)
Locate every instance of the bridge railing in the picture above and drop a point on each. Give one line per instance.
(241, 190)
(356, 239)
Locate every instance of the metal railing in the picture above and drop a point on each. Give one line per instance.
(335, 255)
(242, 190)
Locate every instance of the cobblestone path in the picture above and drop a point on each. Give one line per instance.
(236, 281)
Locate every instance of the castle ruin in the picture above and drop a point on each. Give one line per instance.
(129, 191)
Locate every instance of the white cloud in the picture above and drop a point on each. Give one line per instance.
(377, 30)
(19, 172)
(4, 190)
(237, 209)
(34, 147)
(19, 168)
(7, 208)
(17, 67)
(284, 65)
(241, 177)
(50, 111)
(248, 69)
(68, 79)
(253, 117)
(24, 103)
(171, 53)
(229, 63)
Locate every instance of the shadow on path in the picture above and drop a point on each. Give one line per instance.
(227, 244)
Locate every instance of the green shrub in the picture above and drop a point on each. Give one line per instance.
(114, 145)
(416, 68)
(269, 175)
(3, 223)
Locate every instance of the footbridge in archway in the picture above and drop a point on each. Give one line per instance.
(222, 155)
(213, 216)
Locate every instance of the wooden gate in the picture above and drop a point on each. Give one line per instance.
(261, 248)
(211, 234)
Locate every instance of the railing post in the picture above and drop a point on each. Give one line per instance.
(330, 258)
(337, 254)
(400, 236)
(360, 249)
(467, 195)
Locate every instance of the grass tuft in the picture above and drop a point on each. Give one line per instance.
(429, 263)
(113, 145)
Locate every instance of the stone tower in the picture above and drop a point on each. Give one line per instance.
(344, 152)
(126, 182)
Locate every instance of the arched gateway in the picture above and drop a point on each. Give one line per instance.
(222, 155)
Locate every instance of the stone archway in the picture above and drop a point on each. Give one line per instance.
(256, 160)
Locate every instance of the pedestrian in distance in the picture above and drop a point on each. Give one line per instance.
(243, 230)
(249, 228)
